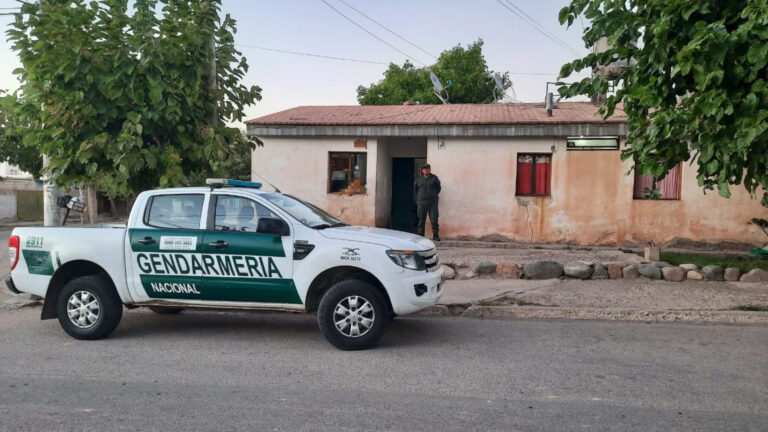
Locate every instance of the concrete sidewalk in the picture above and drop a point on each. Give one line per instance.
(617, 299)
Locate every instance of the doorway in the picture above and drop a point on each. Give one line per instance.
(403, 209)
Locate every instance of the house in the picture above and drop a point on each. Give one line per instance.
(506, 169)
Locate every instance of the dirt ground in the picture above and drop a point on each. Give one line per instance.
(617, 293)
(464, 257)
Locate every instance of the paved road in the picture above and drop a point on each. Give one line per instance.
(247, 371)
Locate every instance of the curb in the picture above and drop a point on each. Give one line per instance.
(618, 314)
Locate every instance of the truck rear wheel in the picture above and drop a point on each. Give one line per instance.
(352, 315)
(89, 308)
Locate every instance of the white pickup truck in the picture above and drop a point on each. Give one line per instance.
(234, 246)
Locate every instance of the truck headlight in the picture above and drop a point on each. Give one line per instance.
(408, 259)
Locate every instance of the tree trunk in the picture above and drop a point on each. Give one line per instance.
(93, 206)
(112, 207)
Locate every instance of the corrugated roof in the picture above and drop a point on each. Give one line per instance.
(458, 114)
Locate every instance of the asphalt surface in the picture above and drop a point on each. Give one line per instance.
(265, 371)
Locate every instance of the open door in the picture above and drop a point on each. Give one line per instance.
(403, 210)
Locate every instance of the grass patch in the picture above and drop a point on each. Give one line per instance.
(751, 308)
(742, 263)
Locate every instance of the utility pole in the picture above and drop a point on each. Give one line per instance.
(213, 114)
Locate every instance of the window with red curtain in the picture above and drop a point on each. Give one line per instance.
(533, 174)
(669, 186)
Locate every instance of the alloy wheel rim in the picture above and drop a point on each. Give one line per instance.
(353, 316)
(83, 309)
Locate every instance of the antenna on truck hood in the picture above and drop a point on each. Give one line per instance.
(267, 182)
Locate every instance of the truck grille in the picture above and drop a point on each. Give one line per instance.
(430, 259)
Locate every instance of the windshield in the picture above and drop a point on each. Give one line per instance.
(304, 212)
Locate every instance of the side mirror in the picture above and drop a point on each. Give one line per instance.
(274, 226)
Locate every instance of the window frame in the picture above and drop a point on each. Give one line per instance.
(351, 171)
(679, 186)
(569, 140)
(151, 200)
(533, 175)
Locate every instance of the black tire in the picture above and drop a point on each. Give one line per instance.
(340, 294)
(163, 310)
(90, 288)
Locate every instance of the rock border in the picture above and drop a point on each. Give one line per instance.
(656, 270)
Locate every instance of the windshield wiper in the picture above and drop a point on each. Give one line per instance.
(326, 225)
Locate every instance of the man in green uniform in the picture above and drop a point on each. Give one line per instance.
(426, 189)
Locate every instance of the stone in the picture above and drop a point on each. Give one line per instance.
(543, 270)
(672, 273)
(600, 272)
(651, 253)
(650, 271)
(468, 275)
(732, 274)
(661, 264)
(615, 269)
(449, 272)
(630, 272)
(484, 267)
(695, 275)
(509, 270)
(577, 270)
(755, 275)
(689, 267)
(713, 272)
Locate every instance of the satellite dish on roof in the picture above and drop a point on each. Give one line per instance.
(499, 82)
(498, 92)
(439, 88)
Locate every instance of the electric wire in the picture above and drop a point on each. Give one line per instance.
(389, 30)
(373, 34)
(312, 55)
(538, 27)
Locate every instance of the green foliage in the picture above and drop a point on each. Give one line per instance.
(122, 101)
(698, 90)
(651, 194)
(11, 132)
(471, 81)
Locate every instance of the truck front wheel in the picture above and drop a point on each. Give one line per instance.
(89, 308)
(352, 315)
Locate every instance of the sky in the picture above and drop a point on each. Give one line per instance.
(310, 26)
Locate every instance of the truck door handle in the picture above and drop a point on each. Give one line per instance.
(218, 244)
(147, 241)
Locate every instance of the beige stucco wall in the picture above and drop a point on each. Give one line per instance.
(299, 166)
(591, 195)
(590, 203)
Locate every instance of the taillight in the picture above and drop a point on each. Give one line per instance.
(13, 250)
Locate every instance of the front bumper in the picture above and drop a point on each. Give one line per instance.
(404, 291)
(11, 286)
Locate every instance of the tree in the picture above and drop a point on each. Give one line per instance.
(11, 148)
(123, 102)
(698, 89)
(471, 81)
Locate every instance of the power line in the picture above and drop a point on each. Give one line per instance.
(312, 55)
(538, 27)
(372, 34)
(389, 30)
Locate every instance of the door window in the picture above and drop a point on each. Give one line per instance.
(239, 214)
(175, 211)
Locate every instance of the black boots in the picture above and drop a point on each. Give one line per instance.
(436, 237)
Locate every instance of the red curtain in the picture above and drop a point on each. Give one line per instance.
(524, 175)
(542, 175)
(669, 186)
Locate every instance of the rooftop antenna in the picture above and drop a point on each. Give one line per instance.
(439, 89)
(498, 92)
(267, 182)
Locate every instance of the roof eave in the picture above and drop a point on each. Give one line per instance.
(474, 130)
